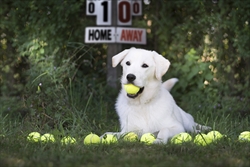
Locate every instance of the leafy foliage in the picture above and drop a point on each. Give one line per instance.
(37, 29)
(44, 63)
(196, 74)
(217, 30)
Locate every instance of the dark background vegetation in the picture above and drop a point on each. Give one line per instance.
(50, 80)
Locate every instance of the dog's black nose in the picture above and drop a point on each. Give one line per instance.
(131, 77)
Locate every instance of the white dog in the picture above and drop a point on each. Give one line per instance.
(152, 109)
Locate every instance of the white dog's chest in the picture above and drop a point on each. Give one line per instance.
(144, 118)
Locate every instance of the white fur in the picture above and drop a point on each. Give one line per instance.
(154, 110)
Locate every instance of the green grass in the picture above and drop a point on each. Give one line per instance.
(223, 115)
(16, 151)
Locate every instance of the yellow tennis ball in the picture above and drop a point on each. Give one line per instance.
(34, 137)
(109, 139)
(214, 135)
(202, 139)
(244, 136)
(181, 138)
(131, 89)
(68, 140)
(147, 138)
(91, 139)
(131, 136)
(47, 137)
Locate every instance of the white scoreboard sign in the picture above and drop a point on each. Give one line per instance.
(100, 35)
(115, 35)
(130, 35)
(102, 9)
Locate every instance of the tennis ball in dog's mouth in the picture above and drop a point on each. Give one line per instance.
(34, 137)
(131, 89)
(47, 137)
(131, 136)
(91, 139)
(109, 139)
(68, 140)
(181, 138)
(244, 136)
(202, 139)
(147, 138)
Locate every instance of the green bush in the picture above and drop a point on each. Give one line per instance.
(196, 76)
(56, 92)
(217, 30)
(33, 30)
(58, 81)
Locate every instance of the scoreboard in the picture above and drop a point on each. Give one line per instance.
(125, 10)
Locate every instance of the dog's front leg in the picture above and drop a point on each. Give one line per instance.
(165, 134)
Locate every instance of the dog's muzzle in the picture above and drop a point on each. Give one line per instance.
(135, 95)
(131, 77)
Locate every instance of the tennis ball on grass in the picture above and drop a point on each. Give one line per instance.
(109, 139)
(68, 140)
(34, 137)
(91, 139)
(202, 139)
(131, 89)
(47, 137)
(214, 135)
(181, 138)
(147, 138)
(131, 136)
(244, 136)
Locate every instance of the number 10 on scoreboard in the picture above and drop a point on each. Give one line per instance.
(102, 10)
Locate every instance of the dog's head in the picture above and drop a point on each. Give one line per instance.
(141, 67)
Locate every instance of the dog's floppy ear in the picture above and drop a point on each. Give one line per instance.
(119, 57)
(162, 65)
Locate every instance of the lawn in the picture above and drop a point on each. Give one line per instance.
(15, 150)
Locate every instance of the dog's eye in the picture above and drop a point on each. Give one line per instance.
(128, 63)
(144, 66)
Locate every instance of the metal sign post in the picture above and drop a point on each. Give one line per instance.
(113, 73)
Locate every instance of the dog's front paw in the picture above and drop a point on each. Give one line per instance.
(116, 134)
(200, 128)
(105, 134)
